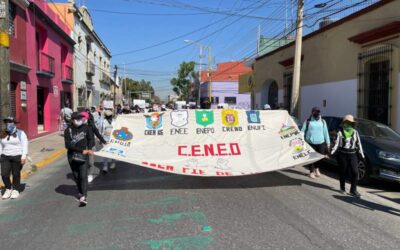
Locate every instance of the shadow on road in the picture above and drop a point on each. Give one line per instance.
(126, 177)
(368, 204)
(67, 190)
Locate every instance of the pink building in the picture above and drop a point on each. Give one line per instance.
(41, 56)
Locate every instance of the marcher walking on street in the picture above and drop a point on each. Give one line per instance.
(13, 151)
(79, 142)
(348, 149)
(316, 134)
(106, 129)
(89, 121)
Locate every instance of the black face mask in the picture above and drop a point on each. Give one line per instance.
(316, 115)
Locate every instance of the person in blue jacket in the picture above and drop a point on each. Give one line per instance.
(316, 134)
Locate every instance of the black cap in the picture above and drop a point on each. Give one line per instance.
(10, 119)
(76, 116)
(316, 109)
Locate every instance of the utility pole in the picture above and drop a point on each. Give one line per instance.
(200, 69)
(4, 61)
(258, 39)
(115, 83)
(297, 59)
(124, 81)
(209, 71)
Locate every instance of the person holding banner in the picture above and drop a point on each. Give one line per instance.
(79, 142)
(106, 130)
(348, 146)
(316, 134)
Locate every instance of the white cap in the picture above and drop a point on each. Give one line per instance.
(267, 106)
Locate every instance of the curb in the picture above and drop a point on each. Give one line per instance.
(41, 164)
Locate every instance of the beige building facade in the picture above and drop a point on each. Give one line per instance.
(350, 66)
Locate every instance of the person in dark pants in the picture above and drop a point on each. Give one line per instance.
(13, 151)
(316, 134)
(348, 148)
(89, 121)
(79, 141)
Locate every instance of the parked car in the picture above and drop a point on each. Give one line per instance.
(381, 146)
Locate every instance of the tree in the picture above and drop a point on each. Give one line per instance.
(136, 86)
(186, 76)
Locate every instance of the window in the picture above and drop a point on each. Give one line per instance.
(230, 100)
(215, 99)
(81, 97)
(12, 11)
(13, 99)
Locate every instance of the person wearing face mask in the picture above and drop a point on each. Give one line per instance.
(106, 129)
(89, 121)
(347, 146)
(13, 151)
(79, 141)
(316, 134)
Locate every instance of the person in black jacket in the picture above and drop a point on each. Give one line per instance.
(89, 120)
(79, 141)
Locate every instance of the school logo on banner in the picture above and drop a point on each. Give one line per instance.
(179, 118)
(154, 121)
(253, 116)
(297, 145)
(230, 117)
(122, 134)
(204, 117)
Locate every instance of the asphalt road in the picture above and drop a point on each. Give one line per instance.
(138, 208)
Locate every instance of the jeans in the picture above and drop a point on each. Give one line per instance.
(80, 173)
(319, 148)
(11, 164)
(346, 162)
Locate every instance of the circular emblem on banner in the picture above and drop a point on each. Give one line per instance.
(122, 134)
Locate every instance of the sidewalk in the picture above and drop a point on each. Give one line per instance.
(42, 152)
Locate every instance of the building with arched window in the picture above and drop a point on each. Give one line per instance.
(351, 65)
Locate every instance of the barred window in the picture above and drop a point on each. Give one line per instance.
(11, 18)
(230, 100)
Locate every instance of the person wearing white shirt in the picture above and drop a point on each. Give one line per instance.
(13, 151)
(106, 128)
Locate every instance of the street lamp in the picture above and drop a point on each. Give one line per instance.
(201, 46)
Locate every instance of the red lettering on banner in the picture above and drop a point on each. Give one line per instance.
(221, 149)
(180, 150)
(223, 173)
(196, 150)
(153, 165)
(235, 149)
(160, 167)
(145, 163)
(209, 150)
(184, 170)
(198, 172)
(170, 168)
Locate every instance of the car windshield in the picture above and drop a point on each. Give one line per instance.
(375, 129)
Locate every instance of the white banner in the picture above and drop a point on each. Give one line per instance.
(224, 142)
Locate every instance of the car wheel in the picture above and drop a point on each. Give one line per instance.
(363, 172)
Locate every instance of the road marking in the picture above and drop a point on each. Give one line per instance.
(199, 217)
(189, 242)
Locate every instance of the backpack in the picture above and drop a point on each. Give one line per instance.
(308, 124)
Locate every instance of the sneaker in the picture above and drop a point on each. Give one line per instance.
(90, 178)
(7, 194)
(14, 194)
(312, 175)
(82, 201)
(105, 170)
(355, 194)
(342, 191)
(112, 165)
(317, 173)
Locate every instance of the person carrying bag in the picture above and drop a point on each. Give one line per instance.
(79, 141)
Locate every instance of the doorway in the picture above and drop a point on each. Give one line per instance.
(40, 109)
(273, 95)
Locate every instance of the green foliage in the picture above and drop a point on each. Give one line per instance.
(186, 76)
(136, 86)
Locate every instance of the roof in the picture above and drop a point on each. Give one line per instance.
(332, 25)
(228, 71)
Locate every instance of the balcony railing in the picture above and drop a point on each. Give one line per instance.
(90, 68)
(46, 65)
(67, 74)
(105, 78)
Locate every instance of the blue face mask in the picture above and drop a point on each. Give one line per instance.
(11, 128)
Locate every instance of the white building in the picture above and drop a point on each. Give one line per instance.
(92, 59)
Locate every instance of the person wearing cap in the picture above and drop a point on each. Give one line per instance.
(106, 129)
(13, 151)
(79, 141)
(89, 121)
(346, 148)
(316, 134)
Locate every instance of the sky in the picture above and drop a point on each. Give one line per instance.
(146, 37)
